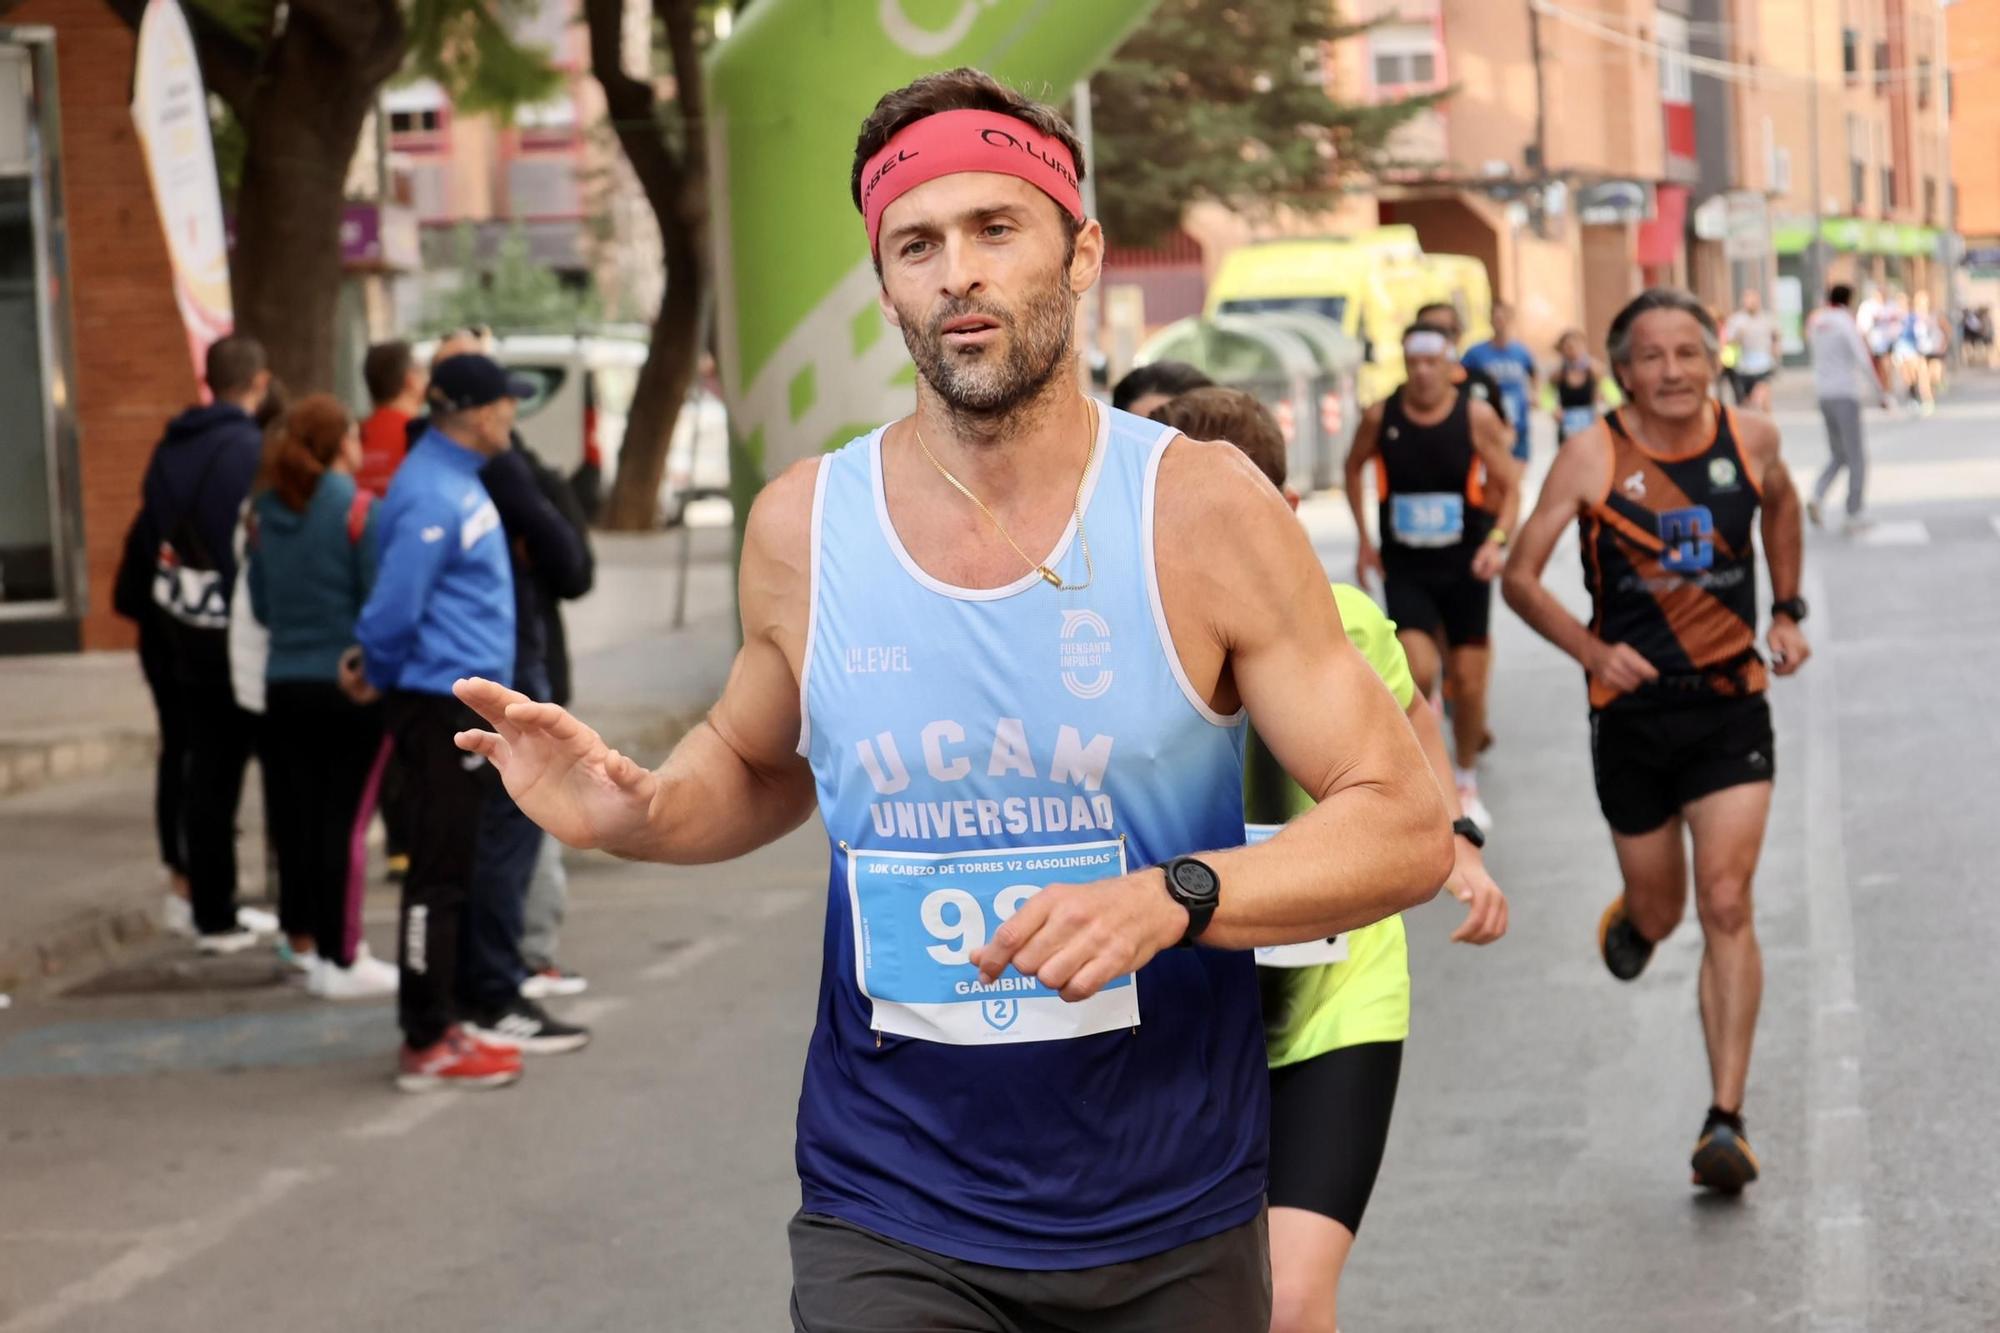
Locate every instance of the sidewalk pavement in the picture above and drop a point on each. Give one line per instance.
(80, 880)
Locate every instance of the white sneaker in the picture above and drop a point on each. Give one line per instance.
(176, 915)
(295, 960)
(1475, 809)
(257, 920)
(368, 978)
(227, 941)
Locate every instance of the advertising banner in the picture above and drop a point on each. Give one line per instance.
(170, 111)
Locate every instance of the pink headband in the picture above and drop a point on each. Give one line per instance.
(954, 141)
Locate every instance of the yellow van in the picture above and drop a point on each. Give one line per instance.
(1371, 284)
(1332, 276)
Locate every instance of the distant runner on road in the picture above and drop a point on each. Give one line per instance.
(1006, 647)
(1669, 492)
(1447, 489)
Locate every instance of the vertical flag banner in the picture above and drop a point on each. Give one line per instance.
(170, 110)
(807, 360)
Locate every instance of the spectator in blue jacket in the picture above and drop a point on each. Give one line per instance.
(311, 564)
(195, 486)
(442, 607)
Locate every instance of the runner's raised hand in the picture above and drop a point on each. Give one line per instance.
(558, 771)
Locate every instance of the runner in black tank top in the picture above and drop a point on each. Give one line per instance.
(1670, 492)
(1446, 481)
(1576, 382)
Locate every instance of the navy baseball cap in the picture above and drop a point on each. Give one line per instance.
(461, 383)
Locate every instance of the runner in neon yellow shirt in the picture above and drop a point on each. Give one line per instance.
(1335, 1029)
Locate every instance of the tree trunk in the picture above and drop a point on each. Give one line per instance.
(676, 186)
(302, 102)
(663, 385)
(304, 120)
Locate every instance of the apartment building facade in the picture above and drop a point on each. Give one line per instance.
(1588, 150)
(551, 172)
(1974, 27)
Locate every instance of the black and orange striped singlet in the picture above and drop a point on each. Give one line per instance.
(1672, 570)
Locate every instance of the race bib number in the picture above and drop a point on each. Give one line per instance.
(920, 916)
(1430, 519)
(1313, 953)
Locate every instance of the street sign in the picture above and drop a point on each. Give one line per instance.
(1746, 230)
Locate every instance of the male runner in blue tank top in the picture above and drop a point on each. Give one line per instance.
(1011, 642)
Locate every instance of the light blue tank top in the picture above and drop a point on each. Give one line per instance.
(971, 746)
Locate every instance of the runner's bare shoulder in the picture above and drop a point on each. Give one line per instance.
(1582, 470)
(1225, 541)
(774, 585)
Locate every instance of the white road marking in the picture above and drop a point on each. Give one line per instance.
(681, 960)
(1995, 521)
(592, 1010)
(160, 1251)
(409, 1111)
(778, 902)
(1839, 1278)
(1899, 532)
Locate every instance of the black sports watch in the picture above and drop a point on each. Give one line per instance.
(1793, 607)
(1194, 885)
(1469, 831)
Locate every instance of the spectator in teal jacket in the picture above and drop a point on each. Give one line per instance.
(312, 565)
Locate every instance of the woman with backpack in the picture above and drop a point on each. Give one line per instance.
(312, 563)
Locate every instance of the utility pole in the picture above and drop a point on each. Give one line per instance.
(1815, 256)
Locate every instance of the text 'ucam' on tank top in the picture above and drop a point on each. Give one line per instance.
(970, 747)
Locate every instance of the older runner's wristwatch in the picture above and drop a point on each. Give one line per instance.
(1194, 885)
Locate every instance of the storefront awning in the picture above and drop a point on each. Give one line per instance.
(1791, 236)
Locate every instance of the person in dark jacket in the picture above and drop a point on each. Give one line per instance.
(551, 561)
(195, 486)
(312, 563)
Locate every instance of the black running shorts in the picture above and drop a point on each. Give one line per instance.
(846, 1279)
(1329, 1125)
(1457, 605)
(1650, 762)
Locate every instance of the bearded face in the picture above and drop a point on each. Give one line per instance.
(984, 357)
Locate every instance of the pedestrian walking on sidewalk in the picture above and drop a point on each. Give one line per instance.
(442, 608)
(311, 565)
(1843, 373)
(195, 486)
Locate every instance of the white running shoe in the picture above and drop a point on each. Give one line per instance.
(257, 920)
(367, 978)
(226, 941)
(1475, 809)
(552, 981)
(303, 962)
(176, 915)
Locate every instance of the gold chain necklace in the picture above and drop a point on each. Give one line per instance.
(1053, 579)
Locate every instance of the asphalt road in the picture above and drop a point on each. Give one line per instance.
(188, 1146)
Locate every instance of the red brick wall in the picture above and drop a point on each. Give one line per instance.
(132, 369)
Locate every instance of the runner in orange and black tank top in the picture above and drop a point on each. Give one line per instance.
(1432, 513)
(1668, 559)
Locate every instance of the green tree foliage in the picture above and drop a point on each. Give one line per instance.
(1227, 100)
(512, 294)
(298, 79)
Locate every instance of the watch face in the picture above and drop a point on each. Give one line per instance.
(1195, 880)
